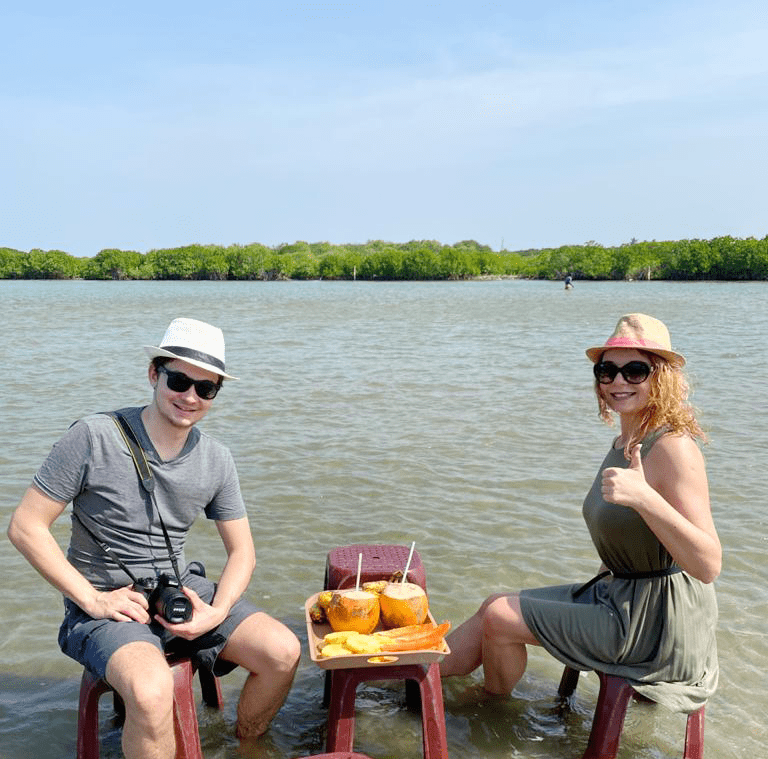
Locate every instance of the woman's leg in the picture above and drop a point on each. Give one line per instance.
(505, 636)
(495, 636)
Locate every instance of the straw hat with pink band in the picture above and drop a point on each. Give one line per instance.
(640, 332)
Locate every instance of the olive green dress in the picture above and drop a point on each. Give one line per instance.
(658, 632)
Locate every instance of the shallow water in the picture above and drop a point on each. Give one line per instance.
(458, 415)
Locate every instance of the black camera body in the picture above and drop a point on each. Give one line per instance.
(165, 596)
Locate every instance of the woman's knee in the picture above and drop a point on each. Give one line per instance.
(498, 602)
(503, 619)
(501, 616)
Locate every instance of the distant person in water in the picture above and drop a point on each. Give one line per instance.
(119, 535)
(650, 614)
(569, 282)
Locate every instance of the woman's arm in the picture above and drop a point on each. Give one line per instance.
(669, 490)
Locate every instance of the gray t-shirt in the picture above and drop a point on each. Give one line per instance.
(91, 466)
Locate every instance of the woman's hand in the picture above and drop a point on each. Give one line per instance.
(626, 487)
(669, 491)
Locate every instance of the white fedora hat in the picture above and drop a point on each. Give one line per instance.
(195, 342)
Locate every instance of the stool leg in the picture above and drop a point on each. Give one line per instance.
(568, 682)
(184, 713)
(434, 735)
(694, 735)
(210, 687)
(327, 689)
(91, 688)
(341, 711)
(608, 721)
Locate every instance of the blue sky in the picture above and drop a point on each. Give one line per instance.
(524, 125)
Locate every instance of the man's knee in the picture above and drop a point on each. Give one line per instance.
(261, 643)
(142, 677)
(280, 646)
(288, 651)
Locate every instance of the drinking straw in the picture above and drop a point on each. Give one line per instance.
(359, 566)
(408, 563)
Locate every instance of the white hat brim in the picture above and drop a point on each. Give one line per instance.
(153, 352)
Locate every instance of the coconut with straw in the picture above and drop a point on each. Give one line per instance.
(403, 603)
(354, 609)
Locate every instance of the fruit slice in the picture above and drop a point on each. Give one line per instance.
(429, 637)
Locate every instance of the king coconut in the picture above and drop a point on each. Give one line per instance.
(396, 604)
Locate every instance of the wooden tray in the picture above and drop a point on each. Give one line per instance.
(316, 633)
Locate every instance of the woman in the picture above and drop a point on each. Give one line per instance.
(650, 615)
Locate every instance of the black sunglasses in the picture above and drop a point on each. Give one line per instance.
(180, 383)
(635, 372)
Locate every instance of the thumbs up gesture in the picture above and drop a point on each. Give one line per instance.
(625, 486)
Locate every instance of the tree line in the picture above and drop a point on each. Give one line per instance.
(721, 258)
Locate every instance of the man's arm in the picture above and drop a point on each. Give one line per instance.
(241, 561)
(30, 533)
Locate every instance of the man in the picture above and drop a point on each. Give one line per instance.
(121, 532)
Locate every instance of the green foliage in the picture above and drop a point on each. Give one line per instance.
(43, 264)
(725, 258)
(248, 261)
(11, 264)
(421, 263)
(114, 264)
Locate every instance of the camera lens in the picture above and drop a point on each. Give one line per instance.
(177, 610)
(173, 605)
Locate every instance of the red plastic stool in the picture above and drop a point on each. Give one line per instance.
(422, 681)
(341, 715)
(379, 563)
(184, 712)
(608, 722)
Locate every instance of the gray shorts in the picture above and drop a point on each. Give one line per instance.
(91, 642)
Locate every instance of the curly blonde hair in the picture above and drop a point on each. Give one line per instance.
(668, 405)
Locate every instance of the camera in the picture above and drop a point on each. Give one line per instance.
(164, 595)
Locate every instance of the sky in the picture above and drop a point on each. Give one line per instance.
(516, 124)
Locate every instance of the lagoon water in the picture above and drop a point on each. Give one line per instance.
(457, 415)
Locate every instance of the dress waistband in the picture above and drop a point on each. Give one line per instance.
(627, 576)
(646, 575)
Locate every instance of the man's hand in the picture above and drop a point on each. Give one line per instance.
(204, 618)
(123, 605)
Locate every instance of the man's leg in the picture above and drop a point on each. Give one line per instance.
(139, 673)
(270, 652)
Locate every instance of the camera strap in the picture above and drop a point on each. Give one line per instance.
(146, 479)
(147, 483)
(104, 547)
